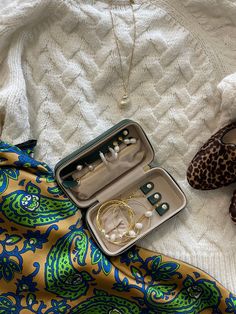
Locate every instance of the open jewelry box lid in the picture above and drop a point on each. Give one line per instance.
(89, 153)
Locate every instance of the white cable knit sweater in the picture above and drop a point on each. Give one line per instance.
(60, 83)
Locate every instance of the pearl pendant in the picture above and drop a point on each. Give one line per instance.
(125, 101)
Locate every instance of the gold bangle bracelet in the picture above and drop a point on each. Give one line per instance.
(132, 224)
(104, 208)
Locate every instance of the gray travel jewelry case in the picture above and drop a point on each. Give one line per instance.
(120, 185)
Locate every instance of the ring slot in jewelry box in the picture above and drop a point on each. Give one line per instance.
(94, 175)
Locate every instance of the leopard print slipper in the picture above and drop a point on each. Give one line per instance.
(232, 208)
(214, 165)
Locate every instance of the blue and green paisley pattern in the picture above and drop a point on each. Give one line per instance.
(102, 302)
(6, 175)
(29, 208)
(50, 264)
(231, 304)
(61, 276)
(195, 296)
(98, 258)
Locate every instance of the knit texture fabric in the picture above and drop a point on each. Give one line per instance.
(60, 83)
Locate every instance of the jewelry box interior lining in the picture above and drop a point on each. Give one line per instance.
(164, 184)
(103, 175)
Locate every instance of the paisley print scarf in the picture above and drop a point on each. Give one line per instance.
(50, 264)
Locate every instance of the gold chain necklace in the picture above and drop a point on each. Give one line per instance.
(125, 100)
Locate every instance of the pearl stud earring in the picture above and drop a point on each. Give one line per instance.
(125, 132)
(154, 198)
(147, 187)
(91, 167)
(162, 209)
(132, 140)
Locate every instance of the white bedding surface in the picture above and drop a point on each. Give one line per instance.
(60, 83)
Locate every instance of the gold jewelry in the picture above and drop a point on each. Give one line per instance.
(125, 100)
(147, 214)
(112, 206)
(133, 228)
